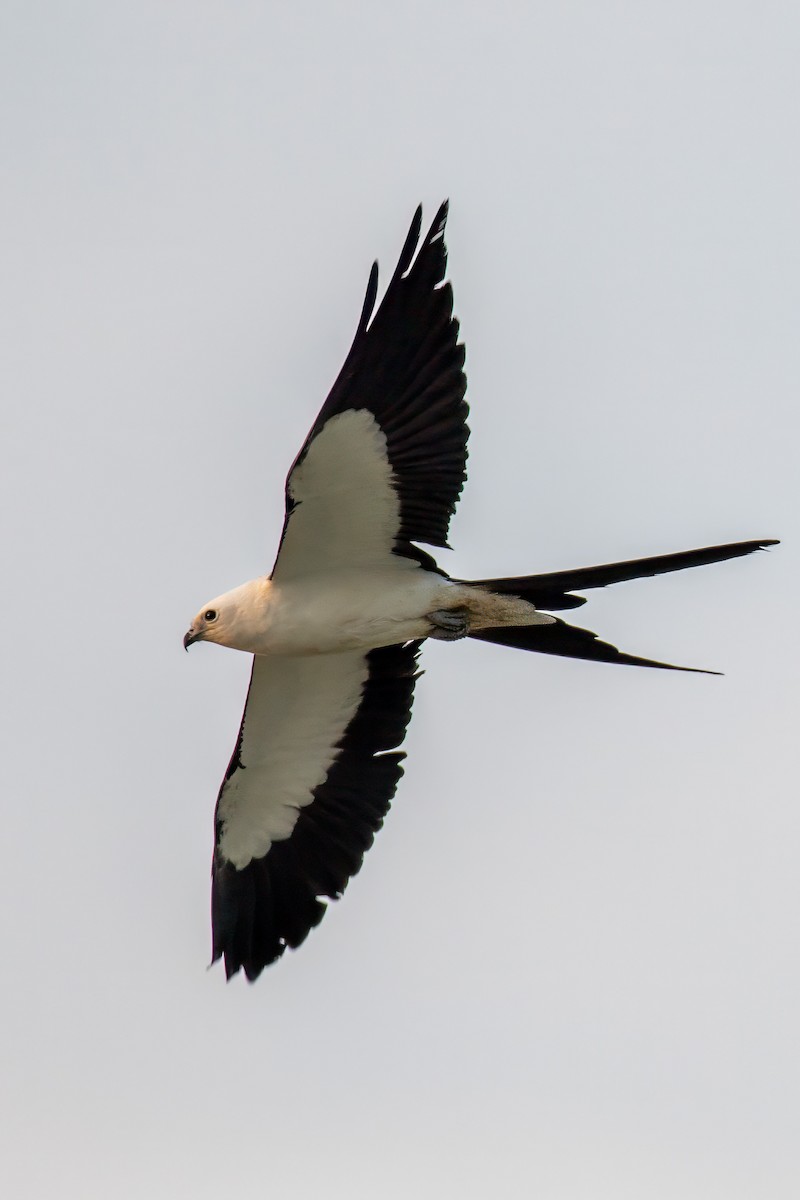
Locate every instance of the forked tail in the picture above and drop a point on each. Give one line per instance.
(553, 593)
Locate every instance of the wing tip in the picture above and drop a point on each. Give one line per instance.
(409, 254)
(410, 245)
(406, 259)
(439, 222)
(370, 297)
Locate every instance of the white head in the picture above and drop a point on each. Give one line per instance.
(235, 619)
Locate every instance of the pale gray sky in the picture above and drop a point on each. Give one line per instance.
(569, 968)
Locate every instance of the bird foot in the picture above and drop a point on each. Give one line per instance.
(448, 625)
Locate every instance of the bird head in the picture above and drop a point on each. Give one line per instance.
(206, 626)
(231, 619)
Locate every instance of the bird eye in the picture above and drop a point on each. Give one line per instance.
(210, 614)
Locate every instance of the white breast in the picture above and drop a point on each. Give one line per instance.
(352, 610)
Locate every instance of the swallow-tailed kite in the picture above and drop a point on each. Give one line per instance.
(336, 629)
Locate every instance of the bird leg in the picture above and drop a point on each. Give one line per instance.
(448, 625)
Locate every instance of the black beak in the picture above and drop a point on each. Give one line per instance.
(190, 637)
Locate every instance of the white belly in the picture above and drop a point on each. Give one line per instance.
(352, 610)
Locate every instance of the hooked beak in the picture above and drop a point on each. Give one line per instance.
(190, 637)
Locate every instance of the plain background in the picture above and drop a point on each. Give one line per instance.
(569, 967)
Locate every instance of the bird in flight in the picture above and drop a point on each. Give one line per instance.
(336, 629)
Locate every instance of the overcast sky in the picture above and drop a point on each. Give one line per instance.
(569, 968)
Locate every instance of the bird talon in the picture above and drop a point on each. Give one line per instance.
(448, 625)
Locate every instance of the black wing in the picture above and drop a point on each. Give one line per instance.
(385, 461)
(314, 771)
